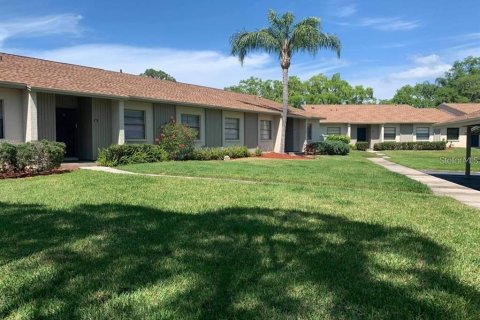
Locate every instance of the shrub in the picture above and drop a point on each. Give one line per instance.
(419, 145)
(362, 145)
(117, 155)
(258, 152)
(177, 140)
(8, 157)
(39, 156)
(328, 148)
(220, 153)
(340, 137)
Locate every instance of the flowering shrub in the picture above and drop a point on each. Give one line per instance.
(177, 140)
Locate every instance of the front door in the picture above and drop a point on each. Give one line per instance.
(66, 123)
(361, 134)
(475, 140)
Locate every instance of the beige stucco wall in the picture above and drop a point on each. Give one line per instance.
(240, 116)
(13, 114)
(148, 108)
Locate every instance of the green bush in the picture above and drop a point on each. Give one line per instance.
(8, 157)
(177, 140)
(419, 145)
(117, 155)
(340, 137)
(258, 152)
(220, 153)
(328, 148)
(362, 145)
(39, 156)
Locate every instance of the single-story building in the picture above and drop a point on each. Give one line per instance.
(399, 123)
(90, 108)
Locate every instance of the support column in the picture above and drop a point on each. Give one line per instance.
(278, 133)
(468, 156)
(118, 124)
(30, 115)
(349, 130)
(382, 132)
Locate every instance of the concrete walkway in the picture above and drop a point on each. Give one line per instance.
(438, 186)
(117, 171)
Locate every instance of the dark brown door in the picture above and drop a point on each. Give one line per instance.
(66, 123)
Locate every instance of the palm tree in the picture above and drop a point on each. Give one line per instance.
(284, 37)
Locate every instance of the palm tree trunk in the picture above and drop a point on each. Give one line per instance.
(284, 108)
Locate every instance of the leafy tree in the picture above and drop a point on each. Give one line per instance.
(318, 89)
(460, 84)
(158, 74)
(284, 37)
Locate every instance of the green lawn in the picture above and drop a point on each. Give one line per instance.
(299, 244)
(453, 159)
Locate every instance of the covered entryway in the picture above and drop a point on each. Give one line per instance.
(471, 121)
(295, 135)
(361, 134)
(66, 123)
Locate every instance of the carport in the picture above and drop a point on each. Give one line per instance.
(470, 121)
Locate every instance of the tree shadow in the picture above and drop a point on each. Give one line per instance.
(112, 261)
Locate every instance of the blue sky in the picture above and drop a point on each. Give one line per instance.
(386, 44)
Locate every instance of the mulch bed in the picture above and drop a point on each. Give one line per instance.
(17, 175)
(284, 156)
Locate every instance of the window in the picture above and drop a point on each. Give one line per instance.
(309, 131)
(265, 130)
(389, 133)
(232, 129)
(423, 133)
(134, 124)
(453, 134)
(193, 122)
(2, 134)
(333, 131)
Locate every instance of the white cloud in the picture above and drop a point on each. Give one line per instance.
(40, 26)
(346, 11)
(427, 67)
(389, 24)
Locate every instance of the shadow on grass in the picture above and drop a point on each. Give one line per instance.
(120, 261)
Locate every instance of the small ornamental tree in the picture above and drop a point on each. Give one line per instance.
(177, 140)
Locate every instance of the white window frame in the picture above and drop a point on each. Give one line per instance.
(199, 136)
(270, 132)
(422, 139)
(2, 119)
(144, 124)
(237, 129)
(390, 138)
(338, 131)
(458, 134)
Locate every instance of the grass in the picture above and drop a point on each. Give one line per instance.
(91, 245)
(448, 160)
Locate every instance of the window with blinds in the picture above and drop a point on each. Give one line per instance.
(423, 133)
(192, 121)
(134, 124)
(265, 130)
(333, 131)
(232, 129)
(389, 133)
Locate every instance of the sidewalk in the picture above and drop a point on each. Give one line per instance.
(438, 186)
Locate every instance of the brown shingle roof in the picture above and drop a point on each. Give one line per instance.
(54, 76)
(472, 118)
(464, 108)
(376, 114)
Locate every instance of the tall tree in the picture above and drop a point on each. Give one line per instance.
(158, 74)
(284, 37)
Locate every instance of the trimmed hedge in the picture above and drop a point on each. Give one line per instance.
(31, 157)
(340, 137)
(328, 148)
(419, 145)
(117, 155)
(220, 153)
(362, 145)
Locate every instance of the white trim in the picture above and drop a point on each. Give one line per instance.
(241, 133)
(197, 112)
